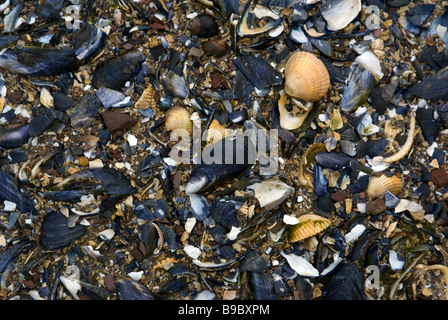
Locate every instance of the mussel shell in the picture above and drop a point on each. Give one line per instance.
(112, 180)
(347, 283)
(37, 62)
(241, 157)
(88, 41)
(55, 232)
(115, 72)
(333, 160)
(259, 72)
(10, 254)
(129, 289)
(150, 237)
(14, 136)
(262, 286)
(433, 87)
(9, 191)
(360, 84)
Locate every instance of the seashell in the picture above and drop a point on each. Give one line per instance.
(347, 283)
(216, 131)
(244, 29)
(378, 186)
(290, 120)
(306, 77)
(178, 118)
(203, 26)
(308, 226)
(216, 48)
(339, 13)
(147, 99)
(46, 98)
(300, 265)
(270, 193)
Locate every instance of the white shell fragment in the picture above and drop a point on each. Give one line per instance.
(287, 219)
(270, 193)
(9, 206)
(192, 251)
(355, 233)
(369, 61)
(339, 13)
(46, 98)
(300, 265)
(106, 235)
(233, 233)
(396, 261)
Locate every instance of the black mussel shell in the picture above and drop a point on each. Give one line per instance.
(10, 255)
(418, 14)
(117, 71)
(262, 286)
(37, 62)
(9, 191)
(84, 112)
(237, 153)
(258, 71)
(430, 128)
(88, 41)
(129, 289)
(333, 160)
(55, 232)
(112, 180)
(433, 87)
(14, 136)
(347, 283)
(320, 182)
(360, 84)
(150, 237)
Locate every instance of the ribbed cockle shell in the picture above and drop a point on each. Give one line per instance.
(178, 118)
(308, 226)
(378, 186)
(306, 77)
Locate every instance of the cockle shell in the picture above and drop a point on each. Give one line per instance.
(178, 118)
(306, 77)
(216, 131)
(378, 186)
(147, 99)
(308, 226)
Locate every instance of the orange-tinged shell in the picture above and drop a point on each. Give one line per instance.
(216, 131)
(147, 99)
(178, 118)
(306, 77)
(378, 186)
(308, 226)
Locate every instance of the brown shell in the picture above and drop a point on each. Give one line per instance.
(178, 118)
(203, 26)
(216, 48)
(147, 99)
(378, 186)
(308, 226)
(306, 77)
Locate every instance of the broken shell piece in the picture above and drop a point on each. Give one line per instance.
(300, 265)
(309, 225)
(339, 13)
(306, 77)
(404, 204)
(244, 29)
(46, 98)
(270, 193)
(290, 120)
(378, 186)
(192, 251)
(178, 118)
(216, 131)
(420, 269)
(369, 61)
(147, 99)
(407, 145)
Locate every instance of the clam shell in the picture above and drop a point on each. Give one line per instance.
(308, 226)
(306, 77)
(378, 186)
(178, 118)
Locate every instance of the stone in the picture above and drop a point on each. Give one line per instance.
(118, 123)
(439, 177)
